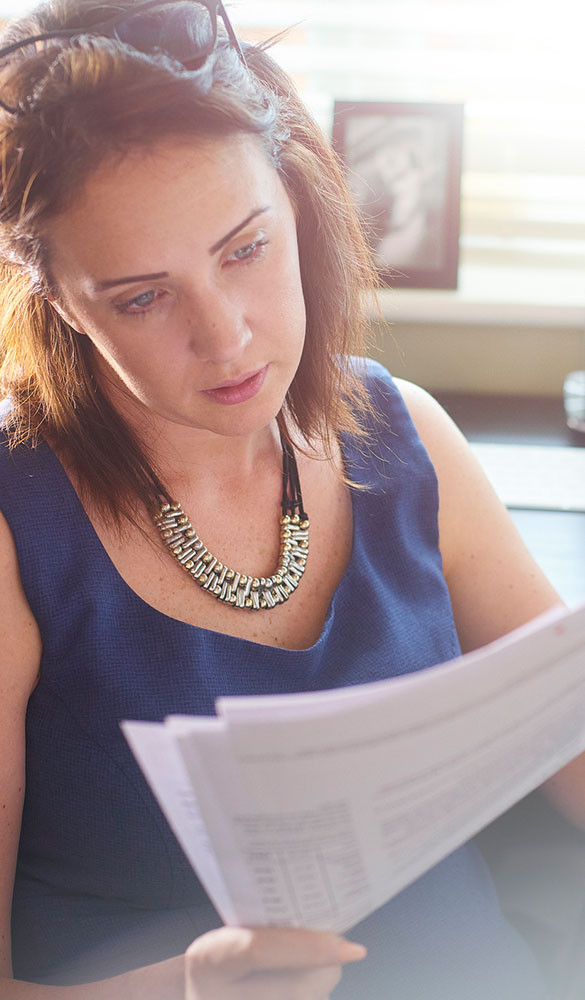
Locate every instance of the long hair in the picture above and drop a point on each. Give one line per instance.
(86, 98)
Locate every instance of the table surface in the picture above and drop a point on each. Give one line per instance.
(555, 538)
(517, 419)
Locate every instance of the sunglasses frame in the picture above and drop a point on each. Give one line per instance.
(107, 29)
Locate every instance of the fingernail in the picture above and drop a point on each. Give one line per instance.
(350, 951)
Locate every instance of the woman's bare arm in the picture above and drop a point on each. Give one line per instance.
(20, 652)
(494, 583)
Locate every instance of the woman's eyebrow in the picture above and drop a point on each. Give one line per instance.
(100, 286)
(233, 232)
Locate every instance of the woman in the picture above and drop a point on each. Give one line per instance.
(182, 286)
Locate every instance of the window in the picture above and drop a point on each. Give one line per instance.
(516, 64)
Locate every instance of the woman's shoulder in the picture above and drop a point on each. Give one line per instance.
(377, 378)
(412, 407)
(20, 644)
(20, 461)
(390, 453)
(390, 397)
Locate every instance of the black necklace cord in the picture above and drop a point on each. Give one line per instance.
(292, 500)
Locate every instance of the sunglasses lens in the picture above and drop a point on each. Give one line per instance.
(184, 30)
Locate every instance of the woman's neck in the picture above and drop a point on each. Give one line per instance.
(184, 454)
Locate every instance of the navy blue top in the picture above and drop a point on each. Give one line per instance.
(102, 885)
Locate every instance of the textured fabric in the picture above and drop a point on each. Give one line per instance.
(101, 884)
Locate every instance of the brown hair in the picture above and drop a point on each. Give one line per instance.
(89, 97)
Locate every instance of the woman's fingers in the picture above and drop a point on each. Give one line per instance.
(238, 951)
(237, 963)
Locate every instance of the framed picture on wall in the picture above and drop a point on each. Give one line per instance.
(403, 164)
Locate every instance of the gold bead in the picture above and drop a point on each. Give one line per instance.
(303, 544)
(248, 602)
(168, 533)
(285, 519)
(255, 583)
(287, 547)
(178, 549)
(233, 599)
(263, 603)
(165, 508)
(183, 519)
(243, 578)
(207, 557)
(277, 579)
(286, 533)
(175, 506)
(295, 519)
(189, 564)
(190, 533)
(304, 524)
(218, 566)
(217, 591)
(230, 574)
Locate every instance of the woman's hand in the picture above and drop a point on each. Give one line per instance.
(237, 963)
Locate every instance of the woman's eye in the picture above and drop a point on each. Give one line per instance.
(248, 252)
(140, 303)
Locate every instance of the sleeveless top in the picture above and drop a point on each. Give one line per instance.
(102, 886)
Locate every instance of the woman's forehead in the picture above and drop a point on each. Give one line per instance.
(201, 189)
(198, 165)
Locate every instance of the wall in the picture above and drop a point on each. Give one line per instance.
(481, 358)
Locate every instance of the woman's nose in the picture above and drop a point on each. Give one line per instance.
(219, 330)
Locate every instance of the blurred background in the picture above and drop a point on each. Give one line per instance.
(516, 323)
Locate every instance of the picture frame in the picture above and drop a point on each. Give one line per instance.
(403, 162)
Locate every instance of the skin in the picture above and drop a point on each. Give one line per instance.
(161, 342)
(227, 303)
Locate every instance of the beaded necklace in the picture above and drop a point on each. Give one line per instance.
(228, 585)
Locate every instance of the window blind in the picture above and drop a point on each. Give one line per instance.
(516, 65)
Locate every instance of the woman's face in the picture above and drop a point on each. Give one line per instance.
(181, 266)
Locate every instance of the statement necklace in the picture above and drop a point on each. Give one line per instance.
(228, 585)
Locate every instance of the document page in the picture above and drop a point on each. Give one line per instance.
(321, 806)
(157, 752)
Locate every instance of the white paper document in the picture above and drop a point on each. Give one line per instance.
(315, 809)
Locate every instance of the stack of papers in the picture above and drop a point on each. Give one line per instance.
(315, 809)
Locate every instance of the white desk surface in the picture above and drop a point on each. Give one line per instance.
(532, 476)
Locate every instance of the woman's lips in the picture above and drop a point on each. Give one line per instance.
(241, 391)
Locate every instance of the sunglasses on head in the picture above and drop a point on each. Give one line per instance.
(173, 27)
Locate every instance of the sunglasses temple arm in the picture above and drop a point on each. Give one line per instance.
(231, 33)
(36, 38)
